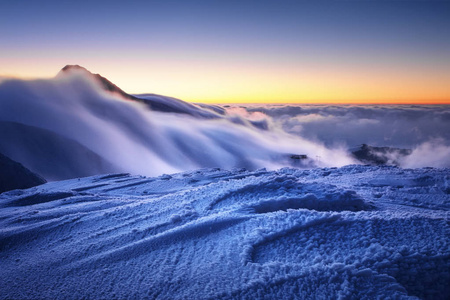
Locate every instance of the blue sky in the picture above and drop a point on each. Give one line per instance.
(238, 50)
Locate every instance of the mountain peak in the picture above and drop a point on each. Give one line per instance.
(105, 83)
(157, 105)
(74, 67)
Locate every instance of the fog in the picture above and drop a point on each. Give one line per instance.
(127, 136)
(421, 128)
(55, 126)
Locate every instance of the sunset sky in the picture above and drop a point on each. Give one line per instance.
(239, 51)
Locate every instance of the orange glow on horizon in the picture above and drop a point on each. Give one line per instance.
(220, 52)
(262, 83)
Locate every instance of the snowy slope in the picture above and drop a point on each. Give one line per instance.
(353, 232)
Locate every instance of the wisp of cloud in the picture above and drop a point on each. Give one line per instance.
(89, 128)
(422, 128)
(70, 126)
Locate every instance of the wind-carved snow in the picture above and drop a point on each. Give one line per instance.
(353, 232)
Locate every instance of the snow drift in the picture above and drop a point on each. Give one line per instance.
(355, 232)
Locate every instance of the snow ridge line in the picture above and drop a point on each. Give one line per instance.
(194, 229)
(248, 254)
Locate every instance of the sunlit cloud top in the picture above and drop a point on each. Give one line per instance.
(239, 51)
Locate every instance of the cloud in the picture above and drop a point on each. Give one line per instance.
(124, 135)
(421, 128)
(434, 153)
(135, 139)
(406, 126)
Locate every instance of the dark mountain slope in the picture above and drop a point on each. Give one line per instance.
(14, 175)
(51, 155)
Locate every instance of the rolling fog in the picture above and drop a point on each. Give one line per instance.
(55, 125)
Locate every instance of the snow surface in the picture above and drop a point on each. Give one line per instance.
(355, 232)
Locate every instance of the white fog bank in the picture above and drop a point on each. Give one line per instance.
(110, 133)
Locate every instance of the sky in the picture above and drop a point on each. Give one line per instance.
(239, 51)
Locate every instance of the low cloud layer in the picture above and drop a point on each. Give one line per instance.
(102, 132)
(377, 125)
(421, 128)
(123, 135)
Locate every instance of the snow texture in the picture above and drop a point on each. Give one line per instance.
(356, 232)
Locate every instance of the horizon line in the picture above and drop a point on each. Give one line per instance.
(287, 102)
(438, 102)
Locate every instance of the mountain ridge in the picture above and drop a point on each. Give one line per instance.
(152, 101)
(105, 83)
(14, 175)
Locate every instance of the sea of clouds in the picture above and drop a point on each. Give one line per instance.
(73, 108)
(425, 129)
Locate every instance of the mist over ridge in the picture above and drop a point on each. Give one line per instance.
(152, 134)
(420, 128)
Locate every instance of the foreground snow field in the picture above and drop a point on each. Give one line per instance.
(352, 232)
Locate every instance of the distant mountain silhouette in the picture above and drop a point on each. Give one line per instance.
(49, 154)
(153, 101)
(106, 84)
(14, 175)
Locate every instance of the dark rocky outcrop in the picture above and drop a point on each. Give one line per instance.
(379, 155)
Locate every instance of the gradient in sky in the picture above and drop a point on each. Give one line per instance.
(239, 51)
